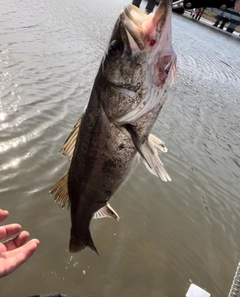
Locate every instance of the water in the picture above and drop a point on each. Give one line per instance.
(170, 233)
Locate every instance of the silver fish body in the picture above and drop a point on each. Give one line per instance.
(127, 96)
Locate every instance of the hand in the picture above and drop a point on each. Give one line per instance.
(14, 252)
(237, 5)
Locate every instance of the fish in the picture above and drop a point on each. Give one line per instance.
(127, 96)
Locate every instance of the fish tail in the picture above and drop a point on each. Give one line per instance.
(78, 244)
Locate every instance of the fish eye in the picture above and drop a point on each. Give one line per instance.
(116, 49)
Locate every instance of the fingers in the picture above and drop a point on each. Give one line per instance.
(237, 5)
(17, 241)
(11, 260)
(17, 250)
(23, 253)
(3, 215)
(21, 238)
(9, 230)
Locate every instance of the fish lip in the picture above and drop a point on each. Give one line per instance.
(140, 25)
(133, 26)
(164, 7)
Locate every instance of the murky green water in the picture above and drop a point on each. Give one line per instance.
(170, 233)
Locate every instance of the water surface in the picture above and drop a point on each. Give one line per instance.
(170, 233)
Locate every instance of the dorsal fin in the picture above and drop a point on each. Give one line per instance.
(67, 148)
(60, 192)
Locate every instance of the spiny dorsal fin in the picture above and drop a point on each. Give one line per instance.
(156, 167)
(106, 212)
(69, 144)
(60, 192)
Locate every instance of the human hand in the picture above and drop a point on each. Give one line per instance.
(15, 251)
(237, 5)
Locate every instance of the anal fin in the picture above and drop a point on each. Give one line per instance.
(60, 192)
(106, 212)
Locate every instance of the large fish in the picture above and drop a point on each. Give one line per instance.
(128, 93)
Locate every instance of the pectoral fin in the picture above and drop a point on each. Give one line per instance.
(69, 145)
(156, 166)
(60, 192)
(106, 211)
(157, 143)
(136, 141)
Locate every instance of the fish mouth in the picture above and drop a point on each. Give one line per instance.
(152, 35)
(143, 27)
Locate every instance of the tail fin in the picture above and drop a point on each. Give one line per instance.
(78, 244)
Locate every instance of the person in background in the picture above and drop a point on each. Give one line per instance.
(149, 7)
(16, 250)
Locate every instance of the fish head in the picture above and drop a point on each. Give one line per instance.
(140, 63)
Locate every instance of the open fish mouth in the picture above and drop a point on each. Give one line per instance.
(134, 20)
(150, 35)
(145, 29)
